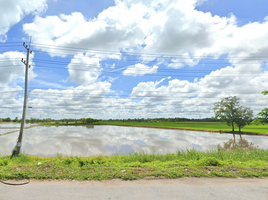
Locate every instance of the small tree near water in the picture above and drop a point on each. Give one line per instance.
(244, 117)
(230, 111)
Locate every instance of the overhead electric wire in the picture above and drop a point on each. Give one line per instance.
(103, 51)
(152, 73)
(136, 53)
(126, 98)
(9, 45)
(123, 53)
(62, 93)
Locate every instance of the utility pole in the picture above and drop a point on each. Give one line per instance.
(17, 148)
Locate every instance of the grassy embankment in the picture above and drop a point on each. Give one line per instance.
(190, 163)
(205, 126)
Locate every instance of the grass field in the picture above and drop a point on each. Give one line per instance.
(189, 163)
(216, 126)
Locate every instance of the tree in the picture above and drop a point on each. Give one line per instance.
(7, 119)
(89, 120)
(264, 113)
(231, 112)
(226, 110)
(16, 119)
(265, 92)
(264, 116)
(244, 117)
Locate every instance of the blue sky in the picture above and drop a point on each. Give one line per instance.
(133, 59)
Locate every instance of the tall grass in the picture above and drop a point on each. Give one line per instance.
(195, 155)
(190, 162)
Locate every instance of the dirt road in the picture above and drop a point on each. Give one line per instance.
(184, 188)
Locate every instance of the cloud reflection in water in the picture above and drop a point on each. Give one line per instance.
(111, 140)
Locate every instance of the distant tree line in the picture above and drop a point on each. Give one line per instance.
(48, 120)
(176, 119)
(8, 119)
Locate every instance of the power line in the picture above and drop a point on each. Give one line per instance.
(134, 53)
(102, 51)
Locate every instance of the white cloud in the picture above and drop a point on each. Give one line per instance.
(140, 70)
(12, 11)
(12, 72)
(165, 27)
(11, 100)
(84, 69)
(189, 99)
(113, 29)
(161, 31)
(80, 101)
(184, 59)
(13, 68)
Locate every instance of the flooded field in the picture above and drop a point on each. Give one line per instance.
(9, 127)
(111, 140)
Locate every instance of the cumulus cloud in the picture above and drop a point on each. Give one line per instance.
(172, 33)
(84, 69)
(189, 99)
(11, 100)
(80, 101)
(112, 30)
(12, 11)
(140, 70)
(13, 68)
(164, 27)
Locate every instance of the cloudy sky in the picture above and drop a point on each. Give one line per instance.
(132, 58)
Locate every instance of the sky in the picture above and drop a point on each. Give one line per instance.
(119, 59)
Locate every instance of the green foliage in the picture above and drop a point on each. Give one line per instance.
(4, 163)
(6, 119)
(265, 92)
(244, 117)
(155, 120)
(263, 116)
(88, 120)
(210, 161)
(228, 110)
(16, 119)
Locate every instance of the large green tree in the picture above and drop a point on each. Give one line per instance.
(230, 111)
(226, 109)
(264, 113)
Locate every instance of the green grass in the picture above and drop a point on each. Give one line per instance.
(210, 126)
(189, 163)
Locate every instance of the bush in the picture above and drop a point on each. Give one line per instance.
(209, 162)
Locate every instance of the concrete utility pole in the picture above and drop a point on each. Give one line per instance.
(17, 148)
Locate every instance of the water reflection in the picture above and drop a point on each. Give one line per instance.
(111, 140)
(10, 127)
(14, 125)
(240, 143)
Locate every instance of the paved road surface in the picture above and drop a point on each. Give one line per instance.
(184, 188)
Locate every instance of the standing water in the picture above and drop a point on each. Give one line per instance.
(112, 140)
